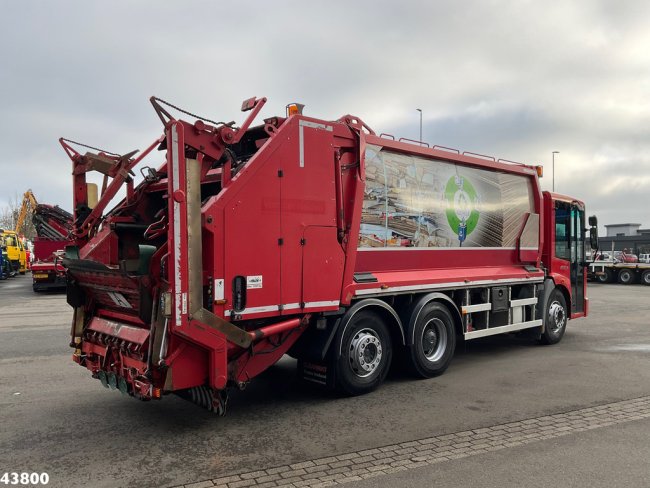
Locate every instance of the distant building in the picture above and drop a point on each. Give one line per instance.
(626, 236)
(620, 230)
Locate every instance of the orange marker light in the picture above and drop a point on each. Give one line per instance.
(540, 171)
(294, 109)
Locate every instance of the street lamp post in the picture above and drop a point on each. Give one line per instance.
(554, 153)
(420, 110)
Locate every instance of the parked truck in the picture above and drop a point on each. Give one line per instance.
(5, 270)
(15, 250)
(320, 239)
(53, 226)
(614, 270)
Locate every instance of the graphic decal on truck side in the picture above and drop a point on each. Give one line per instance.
(416, 202)
(462, 206)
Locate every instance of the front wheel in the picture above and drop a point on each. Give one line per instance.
(555, 318)
(434, 341)
(605, 276)
(365, 354)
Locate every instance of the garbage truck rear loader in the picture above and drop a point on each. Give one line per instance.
(315, 238)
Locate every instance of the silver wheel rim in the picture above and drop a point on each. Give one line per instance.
(556, 317)
(365, 353)
(646, 278)
(434, 340)
(626, 276)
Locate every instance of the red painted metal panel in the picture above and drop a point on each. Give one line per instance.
(252, 233)
(425, 259)
(419, 280)
(44, 248)
(323, 262)
(308, 199)
(136, 335)
(189, 368)
(102, 247)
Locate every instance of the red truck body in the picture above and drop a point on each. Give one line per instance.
(53, 225)
(315, 238)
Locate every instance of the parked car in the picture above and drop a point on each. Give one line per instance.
(644, 258)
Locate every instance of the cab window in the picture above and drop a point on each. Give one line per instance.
(562, 231)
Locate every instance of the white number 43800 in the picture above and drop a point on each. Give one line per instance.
(24, 479)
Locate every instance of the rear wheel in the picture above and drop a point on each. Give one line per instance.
(626, 276)
(434, 341)
(366, 354)
(555, 318)
(645, 277)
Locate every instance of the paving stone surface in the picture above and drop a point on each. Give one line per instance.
(356, 466)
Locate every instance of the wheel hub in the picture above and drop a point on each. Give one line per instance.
(434, 339)
(365, 353)
(557, 316)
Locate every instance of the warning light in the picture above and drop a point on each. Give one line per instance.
(294, 109)
(540, 171)
(156, 392)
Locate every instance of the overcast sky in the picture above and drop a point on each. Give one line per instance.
(512, 79)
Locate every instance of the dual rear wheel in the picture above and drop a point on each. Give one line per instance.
(626, 276)
(365, 348)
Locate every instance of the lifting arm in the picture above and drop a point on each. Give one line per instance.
(28, 201)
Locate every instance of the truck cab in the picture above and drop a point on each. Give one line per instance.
(564, 252)
(16, 254)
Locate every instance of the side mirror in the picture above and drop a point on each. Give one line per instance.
(593, 232)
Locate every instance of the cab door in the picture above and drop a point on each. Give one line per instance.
(578, 260)
(570, 247)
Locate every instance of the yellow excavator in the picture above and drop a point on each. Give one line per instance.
(27, 207)
(12, 242)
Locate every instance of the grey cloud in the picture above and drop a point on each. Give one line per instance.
(512, 79)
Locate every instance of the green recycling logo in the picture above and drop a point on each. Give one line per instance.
(462, 204)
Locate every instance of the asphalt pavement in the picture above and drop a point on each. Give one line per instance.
(55, 418)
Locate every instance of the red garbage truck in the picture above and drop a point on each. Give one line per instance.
(315, 238)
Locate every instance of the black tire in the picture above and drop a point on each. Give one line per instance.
(366, 353)
(645, 277)
(555, 318)
(433, 341)
(626, 276)
(606, 277)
